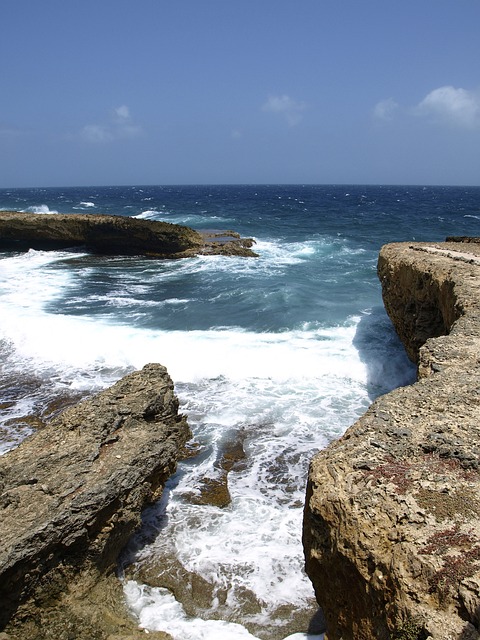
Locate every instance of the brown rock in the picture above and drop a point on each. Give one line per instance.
(392, 516)
(114, 235)
(71, 495)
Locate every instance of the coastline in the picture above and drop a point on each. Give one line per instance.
(71, 497)
(392, 516)
(435, 286)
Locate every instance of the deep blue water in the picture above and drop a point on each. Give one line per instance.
(323, 243)
(288, 348)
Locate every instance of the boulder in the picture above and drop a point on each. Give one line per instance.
(392, 514)
(71, 495)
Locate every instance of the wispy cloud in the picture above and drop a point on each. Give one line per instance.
(458, 107)
(291, 110)
(10, 132)
(120, 125)
(96, 133)
(385, 110)
(446, 105)
(122, 113)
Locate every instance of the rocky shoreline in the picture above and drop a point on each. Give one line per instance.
(392, 514)
(115, 235)
(71, 496)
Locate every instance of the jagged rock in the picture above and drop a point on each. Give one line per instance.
(71, 495)
(392, 515)
(114, 235)
(227, 243)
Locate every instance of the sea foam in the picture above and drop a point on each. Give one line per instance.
(40, 209)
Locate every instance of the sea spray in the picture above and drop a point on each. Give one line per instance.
(281, 353)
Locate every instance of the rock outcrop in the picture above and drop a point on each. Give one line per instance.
(114, 235)
(392, 515)
(71, 496)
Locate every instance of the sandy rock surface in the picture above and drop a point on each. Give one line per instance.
(392, 517)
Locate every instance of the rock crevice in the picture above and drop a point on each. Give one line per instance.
(392, 515)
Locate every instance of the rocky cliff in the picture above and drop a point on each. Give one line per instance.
(392, 515)
(117, 235)
(71, 495)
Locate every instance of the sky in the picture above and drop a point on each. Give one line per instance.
(124, 92)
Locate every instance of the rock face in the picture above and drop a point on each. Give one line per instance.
(113, 235)
(392, 515)
(71, 495)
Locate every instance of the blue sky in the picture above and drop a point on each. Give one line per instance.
(116, 92)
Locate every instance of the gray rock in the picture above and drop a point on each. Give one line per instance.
(72, 494)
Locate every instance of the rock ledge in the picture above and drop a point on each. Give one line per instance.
(392, 515)
(114, 235)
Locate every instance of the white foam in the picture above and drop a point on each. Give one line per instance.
(80, 342)
(148, 215)
(26, 286)
(85, 205)
(190, 356)
(43, 208)
(277, 253)
(255, 544)
(158, 610)
(287, 393)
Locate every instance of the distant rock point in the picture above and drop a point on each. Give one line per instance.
(114, 235)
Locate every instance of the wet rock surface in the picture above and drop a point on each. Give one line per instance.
(114, 235)
(392, 516)
(71, 495)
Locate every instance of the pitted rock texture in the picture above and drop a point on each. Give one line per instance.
(392, 515)
(71, 495)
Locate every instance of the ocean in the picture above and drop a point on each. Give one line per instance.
(274, 356)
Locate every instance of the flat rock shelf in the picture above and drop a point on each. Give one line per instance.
(115, 235)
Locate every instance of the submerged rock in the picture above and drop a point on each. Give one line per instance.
(71, 496)
(392, 515)
(113, 235)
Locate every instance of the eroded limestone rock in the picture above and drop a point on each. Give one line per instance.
(392, 516)
(71, 496)
(114, 235)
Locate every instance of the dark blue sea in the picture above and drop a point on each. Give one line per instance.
(286, 349)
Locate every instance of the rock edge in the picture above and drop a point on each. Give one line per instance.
(392, 515)
(71, 496)
(115, 235)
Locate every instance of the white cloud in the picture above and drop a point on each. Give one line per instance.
(288, 108)
(123, 112)
(385, 109)
(120, 126)
(456, 106)
(96, 133)
(236, 134)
